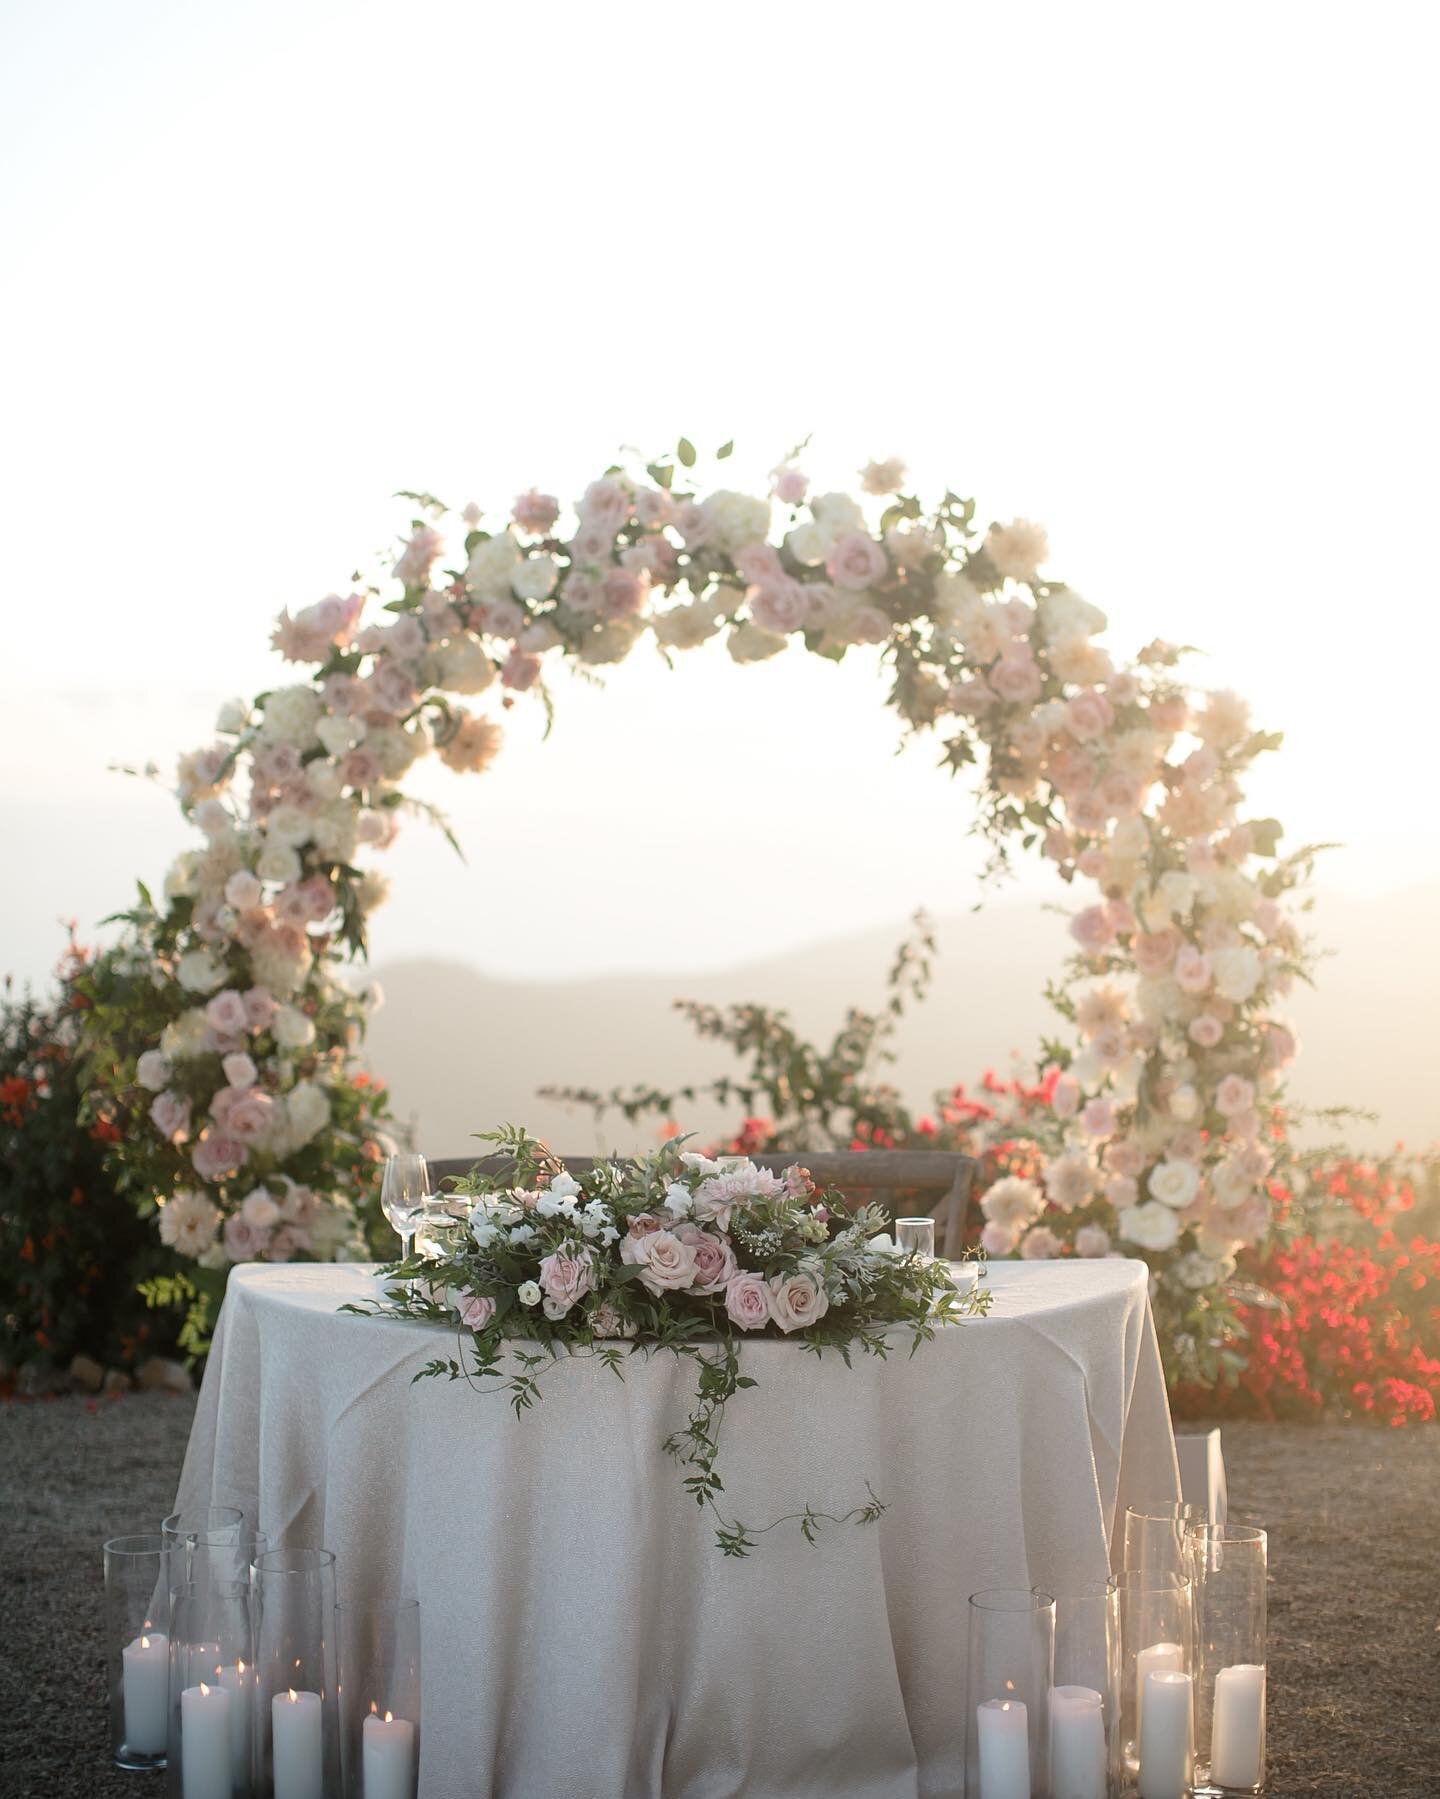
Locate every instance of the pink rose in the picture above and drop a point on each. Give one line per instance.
(790, 486)
(779, 606)
(1088, 715)
(998, 1239)
(1040, 1245)
(623, 592)
(1234, 1096)
(520, 671)
(361, 768)
(215, 1156)
(244, 1113)
(1206, 1030)
(243, 1240)
(1091, 1240)
(714, 1259)
(606, 503)
(564, 1279)
(225, 1014)
(1192, 969)
(259, 1008)
(535, 512)
(666, 1264)
(759, 563)
(747, 1302)
(286, 1242)
(243, 890)
(1155, 951)
(1098, 1118)
(170, 1114)
(796, 1301)
(856, 561)
(1016, 676)
(1065, 1100)
(1121, 1190)
(1092, 930)
(1124, 1156)
(476, 1310)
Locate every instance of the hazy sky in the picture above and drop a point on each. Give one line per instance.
(1162, 279)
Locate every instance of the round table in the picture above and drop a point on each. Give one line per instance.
(583, 1638)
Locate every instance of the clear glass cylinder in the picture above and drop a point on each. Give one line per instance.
(137, 1648)
(215, 1523)
(1085, 1755)
(297, 1700)
(1155, 1640)
(212, 1691)
(380, 1699)
(1228, 1573)
(916, 1236)
(223, 1555)
(1010, 1670)
(1155, 1537)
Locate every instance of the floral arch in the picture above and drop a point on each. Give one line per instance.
(226, 1022)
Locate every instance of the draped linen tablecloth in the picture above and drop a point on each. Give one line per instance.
(583, 1638)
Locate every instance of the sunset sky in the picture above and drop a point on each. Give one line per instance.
(264, 266)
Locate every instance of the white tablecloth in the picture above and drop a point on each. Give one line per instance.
(582, 1636)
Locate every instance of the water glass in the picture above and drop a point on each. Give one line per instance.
(379, 1649)
(1155, 1644)
(1228, 1574)
(137, 1647)
(1009, 1674)
(916, 1237)
(212, 1691)
(403, 1192)
(296, 1692)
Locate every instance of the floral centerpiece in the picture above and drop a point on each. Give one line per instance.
(675, 1251)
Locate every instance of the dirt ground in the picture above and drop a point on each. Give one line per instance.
(1354, 1598)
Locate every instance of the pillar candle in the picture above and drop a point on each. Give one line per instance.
(1158, 1655)
(238, 1684)
(205, 1742)
(297, 1747)
(1077, 1743)
(1165, 1735)
(1004, 1734)
(387, 1758)
(1237, 1737)
(145, 1667)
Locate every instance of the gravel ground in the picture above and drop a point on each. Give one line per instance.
(1354, 1609)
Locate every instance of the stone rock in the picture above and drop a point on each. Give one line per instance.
(161, 1376)
(38, 1380)
(86, 1374)
(116, 1383)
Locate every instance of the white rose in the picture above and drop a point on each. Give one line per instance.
(289, 825)
(1230, 1184)
(184, 1037)
(1064, 614)
(338, 733)
(232, 718)
(291, 1029)
(258, 1208)
(464, 665)
(810, 542)
(748, 643)
(1174, 1184)
(1195, 1271)
(535, 577)
(1151, 1226)
(1184, 1103)
(1012, 1202)
(307, 1110)
(735, 519)
(278, 862)
(199, 972)
(528, 1293)
(153, 1070)
(487, 575)
(291, 716)
(324, 779)
(1237, 972)
(1177, 891)
(838, 512)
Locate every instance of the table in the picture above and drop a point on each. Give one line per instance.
(582, 1636)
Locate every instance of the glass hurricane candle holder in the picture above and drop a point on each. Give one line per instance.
(212, 1691)
(1155, 1537)
(1085, 1700)
(1228, 1574)
(1155, 1638)
(137, 1648)
(916, 1236)
(297, 1724)
(379, 1650)
(1010, 1671)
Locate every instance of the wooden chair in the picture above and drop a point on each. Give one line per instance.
(940, 1178)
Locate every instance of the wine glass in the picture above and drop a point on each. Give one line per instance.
(403, 1194)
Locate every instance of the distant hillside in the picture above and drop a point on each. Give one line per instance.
(462, 1050)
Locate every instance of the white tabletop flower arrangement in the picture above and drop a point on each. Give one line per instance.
(672, 1251)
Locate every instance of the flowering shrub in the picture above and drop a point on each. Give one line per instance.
(72, 1254)
(1120, 775)
(674, 1251)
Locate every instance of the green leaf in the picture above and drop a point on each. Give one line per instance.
(724, 450)
(685, 453)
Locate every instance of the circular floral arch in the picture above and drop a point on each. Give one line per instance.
(227, 1020)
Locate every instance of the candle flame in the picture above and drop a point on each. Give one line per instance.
(373, 1708)
(144, 1642)
(147, 1625)
(294, 1698)
(1009, 1686)
(389, 1717)
(204, 1690)
(239, 1667)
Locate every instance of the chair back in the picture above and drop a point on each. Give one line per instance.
(936, 1182)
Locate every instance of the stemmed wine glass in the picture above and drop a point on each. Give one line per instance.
(403, 1193)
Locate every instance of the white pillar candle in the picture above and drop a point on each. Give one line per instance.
(297, 1749)
(1158, 1655)
(238, 1683)
(1165, 1735)
(1237, 1737)
(387, 1758)
(205, 1742)
(1077, 1743)
(1004, 1734)
(145, 1669)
